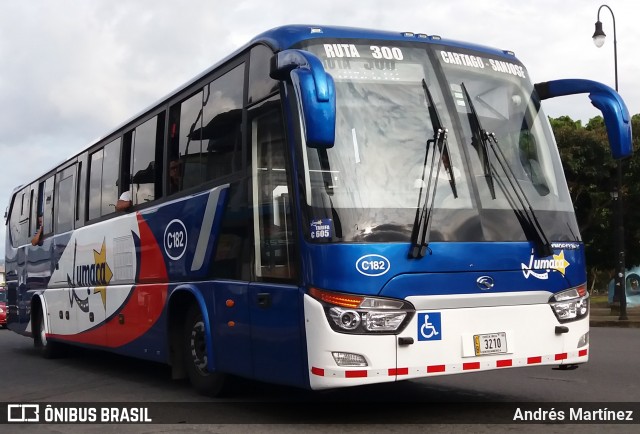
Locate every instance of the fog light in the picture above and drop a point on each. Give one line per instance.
(349, 359)
(584, 340)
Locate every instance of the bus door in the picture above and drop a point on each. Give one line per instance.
(274, 298)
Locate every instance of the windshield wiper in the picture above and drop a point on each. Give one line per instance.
(480, 136)
(422, 222)
(526, 215)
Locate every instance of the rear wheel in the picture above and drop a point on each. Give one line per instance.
(196, 356)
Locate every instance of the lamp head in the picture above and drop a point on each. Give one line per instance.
(599, 35)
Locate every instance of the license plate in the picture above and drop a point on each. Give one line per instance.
(490, 343)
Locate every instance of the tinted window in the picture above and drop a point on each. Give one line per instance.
(95, 185)
(260, 84)
(222, 119)
(48, 206)
(205, 132)
(66, 200)
(110, 167)
(190, 145)
(144, 168)
(103, 180)
(19, 219)
(35, 207)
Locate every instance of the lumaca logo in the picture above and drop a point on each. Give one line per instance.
(558, 263)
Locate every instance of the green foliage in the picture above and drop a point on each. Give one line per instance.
(591, 176)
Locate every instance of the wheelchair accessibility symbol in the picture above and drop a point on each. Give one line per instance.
(429, 326)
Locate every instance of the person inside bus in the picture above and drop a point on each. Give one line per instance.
(37, 237)
(175, 173)
(124, 202)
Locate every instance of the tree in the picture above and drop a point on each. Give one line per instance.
(591, 176)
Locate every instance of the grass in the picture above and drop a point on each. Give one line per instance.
(601, 300)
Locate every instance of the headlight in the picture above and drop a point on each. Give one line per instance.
(570, 305)
(359, 314)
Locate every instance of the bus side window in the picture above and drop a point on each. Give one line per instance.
(103, 180)
(261, 84)
(206, 144)
(47, 218)
(274, 247)
(19, 218)
(65, 196)
(145, 165)
(222, 120)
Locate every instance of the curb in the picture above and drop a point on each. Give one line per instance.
(613, 321)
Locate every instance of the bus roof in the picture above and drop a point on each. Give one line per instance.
(281, 38)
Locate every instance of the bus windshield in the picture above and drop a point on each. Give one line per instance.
(385, 163)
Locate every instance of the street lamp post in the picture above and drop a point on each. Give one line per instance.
(618, 239)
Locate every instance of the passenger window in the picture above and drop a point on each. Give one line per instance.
(221, 135)
(65, 208)
(260, 83)
(47, 205)
(186, 136)
(205, 136)
(19, 219)
(147, 139)
(103, 179)
(274, 255)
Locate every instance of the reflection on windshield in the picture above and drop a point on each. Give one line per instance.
(505, 108)
(369, 182)
(378, 157)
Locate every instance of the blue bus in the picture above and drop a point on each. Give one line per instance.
(326, 207)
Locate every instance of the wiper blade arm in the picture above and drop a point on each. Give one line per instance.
(443, 147)
(543, 245)
(422, 222)
(526, 215)
(480, 136)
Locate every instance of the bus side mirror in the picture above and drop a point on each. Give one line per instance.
(608, 101)
(315, 92)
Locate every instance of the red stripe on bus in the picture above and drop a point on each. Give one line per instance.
(317, 371)
(532, 360)
(399, 371)
(355, 374)
(436, 368)
(582, 353)
(561, 356)
(471, 365)
(504, 363)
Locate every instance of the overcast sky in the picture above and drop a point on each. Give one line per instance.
(71, 70)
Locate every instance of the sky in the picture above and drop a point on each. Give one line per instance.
(72, 70)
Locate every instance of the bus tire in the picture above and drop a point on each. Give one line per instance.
(47, 348)
(195, 356)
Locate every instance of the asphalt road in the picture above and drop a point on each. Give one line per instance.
(611, 377)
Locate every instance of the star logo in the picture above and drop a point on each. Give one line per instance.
(100, 259)
(560, 263)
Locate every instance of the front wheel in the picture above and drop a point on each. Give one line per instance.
(47, 348)
(196, 357)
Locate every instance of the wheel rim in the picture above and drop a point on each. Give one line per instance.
(198, 347)
(43, 334)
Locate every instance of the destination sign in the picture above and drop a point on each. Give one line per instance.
(369, 63)
(363, 69)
